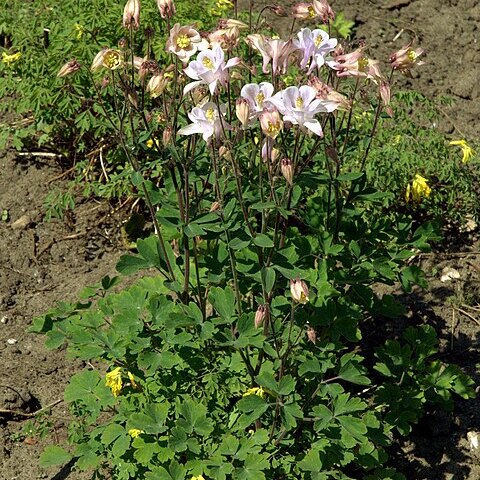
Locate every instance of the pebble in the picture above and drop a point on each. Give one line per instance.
(12, 341)
(4, 319)
(22, 223)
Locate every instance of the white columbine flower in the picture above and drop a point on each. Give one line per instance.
(257, 95)
(299, 106)
(207, 120)
(314, 45)
(209, 68)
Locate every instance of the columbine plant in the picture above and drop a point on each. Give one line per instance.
(238, 360)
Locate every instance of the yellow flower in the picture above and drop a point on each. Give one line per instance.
(150, 142)
(9, 60)
(132, 379)
(467, 150)
(135, 432)
(80, 29)
(114, 381)
(418, 189)
(258, 391)
(200, 477)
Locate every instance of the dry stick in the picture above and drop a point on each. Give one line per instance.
(453, 328)
(469, 315)
(54, 241)
(40, 154)
(29, 415)
(61, 175)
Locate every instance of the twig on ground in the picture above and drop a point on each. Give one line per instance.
(40, 154)
(469, 315)
(18, 413)
(54, 241)
(61, 175)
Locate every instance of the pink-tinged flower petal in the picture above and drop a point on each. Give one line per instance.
(190, 129)
(190, 86)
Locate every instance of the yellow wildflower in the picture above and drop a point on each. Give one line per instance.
(151, 142)
(467, 150)
(258, 391)
(199, 477)
(418, 189)
(80, 29)
(9, 60)
(114, 381)
(132, 379)
(135, 432)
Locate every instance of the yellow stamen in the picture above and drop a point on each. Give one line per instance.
(259, 99)
(362, 64)
(210, 114)
(311, 12)
(207, 63)
(299, 102)
(183, 41)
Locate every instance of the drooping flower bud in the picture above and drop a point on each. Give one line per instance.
(242, 110)
(323, 10)
(167, 135)
(271, 123)
(299, 290)
(70, 67)
(147, 66)
(286, 167)
(156, 85)
(98, 60)
(167, 8)
(278, 10)
(215, 206)
(225, 153)
(311, 335)
(260, 315)
(131, 14)
(385, 96)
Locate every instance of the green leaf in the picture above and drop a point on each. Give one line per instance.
(82, 385)
(53, 456)
(311, 462)
(129, 264)
(144, 451)
(286, 385)
(223, 300)
(268, 278)
(250, 403)
(111, 433)
(262, 240)
(137, 179)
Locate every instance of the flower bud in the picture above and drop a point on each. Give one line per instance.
(215, 206)
(278, 10)
(271, 123)
(147, 66)
(131, 14)
(167, 135)
(225, 153)
(299, 290)
(70, 67)
(242, 110)
(167, 8)
(323, 10)
(156, 85)
(260, 315)
(311, 335)
(287, 170)
(98, 60)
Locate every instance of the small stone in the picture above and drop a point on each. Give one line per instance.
(12, 341)
(22, 223)
(4, 319)
(472, 438)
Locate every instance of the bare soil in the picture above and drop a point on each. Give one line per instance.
(45, 262)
